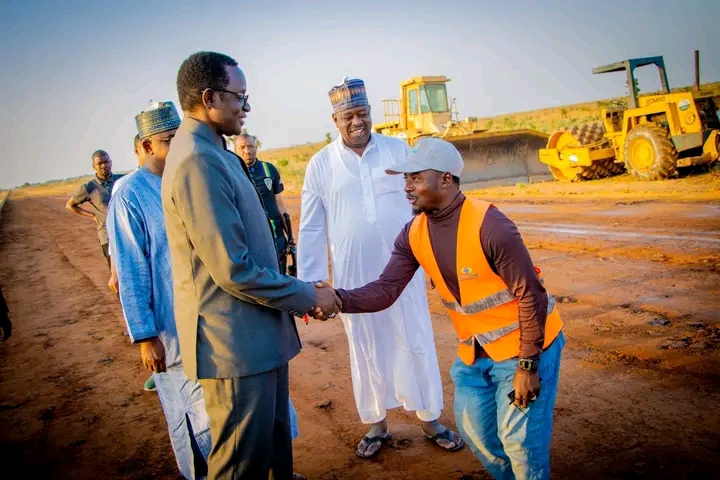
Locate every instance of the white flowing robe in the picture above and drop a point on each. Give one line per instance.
(350, 202)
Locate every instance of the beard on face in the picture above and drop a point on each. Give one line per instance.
(421, 208)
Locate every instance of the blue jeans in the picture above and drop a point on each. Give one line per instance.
(508, 443)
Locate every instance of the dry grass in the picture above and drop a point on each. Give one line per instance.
(51, 188)
(3, 197)
(291, 161)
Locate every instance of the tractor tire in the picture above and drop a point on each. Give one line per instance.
(585, 134)
(649, 152)
(615, 168)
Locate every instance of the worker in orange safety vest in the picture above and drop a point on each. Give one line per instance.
(510, 337)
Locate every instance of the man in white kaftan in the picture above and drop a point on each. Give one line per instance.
(348, 199)
(136, 231)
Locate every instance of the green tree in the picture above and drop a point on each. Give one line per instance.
(328, 137)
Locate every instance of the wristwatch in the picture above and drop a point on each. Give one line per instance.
(529, 364)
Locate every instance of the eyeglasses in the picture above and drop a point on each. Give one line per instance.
(243, 99)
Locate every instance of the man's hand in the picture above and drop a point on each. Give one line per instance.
(152, 353)
(113, 282)
(327, 303)
(527, 387)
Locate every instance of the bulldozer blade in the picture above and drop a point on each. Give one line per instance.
(502, 158)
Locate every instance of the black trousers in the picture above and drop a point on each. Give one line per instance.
(250, 426)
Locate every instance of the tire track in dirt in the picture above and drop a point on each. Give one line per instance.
(75, 355)
(66, 414)
(708, 239)
(639, 312)
(669, 231)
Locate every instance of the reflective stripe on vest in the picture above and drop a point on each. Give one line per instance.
(491, 301)
(488, 337)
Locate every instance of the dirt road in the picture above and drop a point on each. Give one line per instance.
(639, 388)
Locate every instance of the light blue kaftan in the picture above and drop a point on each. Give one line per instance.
(136, 232)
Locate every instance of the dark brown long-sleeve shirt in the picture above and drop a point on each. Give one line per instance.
(504, 250)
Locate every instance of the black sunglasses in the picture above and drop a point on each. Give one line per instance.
(243, 99)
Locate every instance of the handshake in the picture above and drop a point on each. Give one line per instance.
(327, 303)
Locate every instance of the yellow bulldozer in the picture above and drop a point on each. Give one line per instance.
(491, 157)
(649, 136)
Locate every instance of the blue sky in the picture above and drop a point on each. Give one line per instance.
(75, 73)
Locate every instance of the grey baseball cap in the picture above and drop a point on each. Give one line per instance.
(431, 154)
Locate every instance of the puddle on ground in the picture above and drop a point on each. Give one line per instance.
(680, 210)
(596, 231)
(515, 208)
(705, 211)
(687, 211)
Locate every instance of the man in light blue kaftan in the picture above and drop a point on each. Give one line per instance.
(141, 258)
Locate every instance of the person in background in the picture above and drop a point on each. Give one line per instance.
(97, 193)
(270, 187)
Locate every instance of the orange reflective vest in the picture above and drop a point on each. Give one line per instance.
(489, 310)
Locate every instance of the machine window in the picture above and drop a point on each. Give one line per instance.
(413, 102)
(434, 98)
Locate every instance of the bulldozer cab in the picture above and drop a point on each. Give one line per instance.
(426, 104)
(629, 67)
(423, 108)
